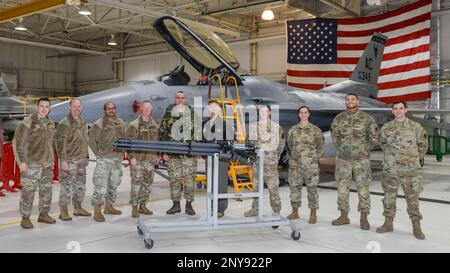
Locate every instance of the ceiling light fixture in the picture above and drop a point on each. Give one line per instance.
(112, 42)
(20, 26)
(84, 10)
(267, 15)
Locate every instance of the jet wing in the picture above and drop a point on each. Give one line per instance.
(202, 48)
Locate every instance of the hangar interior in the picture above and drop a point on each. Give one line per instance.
(60, 52)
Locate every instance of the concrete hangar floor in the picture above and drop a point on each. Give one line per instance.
(118, 233)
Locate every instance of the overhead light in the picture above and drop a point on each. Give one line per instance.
(20, 26)
(112, 42)
(267, 15)
(84, 11)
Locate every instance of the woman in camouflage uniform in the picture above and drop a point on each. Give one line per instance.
(268, 136)
(305, 142)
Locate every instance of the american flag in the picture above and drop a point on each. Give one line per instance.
(322, 52)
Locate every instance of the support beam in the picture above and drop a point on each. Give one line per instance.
(245, 6)
(339, 7)
(254, 50)
(219, 21)
(103, 26)
(29, 8)
(442, 12)
(57, 47)
(91, 26)
(36, 36)
(45, 25)
(186, 5)
(156, 14)
(307, 6)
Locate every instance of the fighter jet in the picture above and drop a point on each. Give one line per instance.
(10, 109)
(207, 52)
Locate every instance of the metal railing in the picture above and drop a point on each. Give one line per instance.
(439, 146)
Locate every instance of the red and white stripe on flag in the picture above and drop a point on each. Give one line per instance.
(405, 70)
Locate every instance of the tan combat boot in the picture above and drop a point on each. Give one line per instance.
(45, 218)
(251, 213)
(188, 208)
(294, 214)
(175, 208)
(388, 225)
(134, 211)
(109, 209)
(26, 223)
(341, 220)
(144, 210)
(313, 216)
(417, 230)
(64, 213)
(98, 216)
(79, 211)
(363, 222)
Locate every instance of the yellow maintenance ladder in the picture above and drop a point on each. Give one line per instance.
(224, 100)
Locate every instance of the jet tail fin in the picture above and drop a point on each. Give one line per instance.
(364, 79)
(368, 68)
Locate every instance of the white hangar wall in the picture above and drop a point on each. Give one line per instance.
(445, 61)
(271, 59)
(95, 73)
(150, 67)
(270, 62)
(29, 70)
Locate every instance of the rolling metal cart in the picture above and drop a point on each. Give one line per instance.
(210, 219)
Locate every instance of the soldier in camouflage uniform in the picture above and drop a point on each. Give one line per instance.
(403, 142)
(354, 134)
(305, 142)
(142, 163)
(33, 152)
(108, 171)
(72, 146)
(178, 125)
(268, 136)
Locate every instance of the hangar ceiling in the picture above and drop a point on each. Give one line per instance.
(130, 21)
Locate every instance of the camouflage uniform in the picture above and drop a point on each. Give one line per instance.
(268, 136)
(33, 144)
(354, 135)
(403, 143)
(143, 173)
(108, 171)
(306, 147)
(181, 168)
(72, 146)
